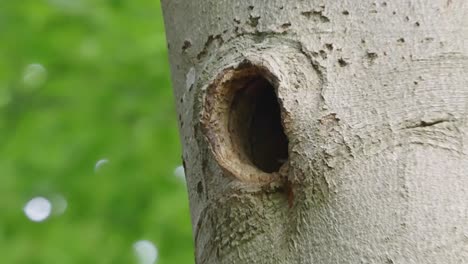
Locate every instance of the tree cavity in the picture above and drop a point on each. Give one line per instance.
(243, 122)
(255, 124)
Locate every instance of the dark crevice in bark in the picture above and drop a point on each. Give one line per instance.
(426, 123)
(255, 123)
(317, 15)
(208, 43)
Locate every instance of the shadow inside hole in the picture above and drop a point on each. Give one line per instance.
(255, 126)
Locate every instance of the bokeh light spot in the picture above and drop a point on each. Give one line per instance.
(146, 252)
(179, 172)
(59, 204)
(34, 76)
(38, 209)
(100, 164)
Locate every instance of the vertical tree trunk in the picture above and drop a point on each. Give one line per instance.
(323, 131)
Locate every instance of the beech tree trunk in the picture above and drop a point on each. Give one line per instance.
(322, 131)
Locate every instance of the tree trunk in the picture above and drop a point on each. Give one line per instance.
(323, 131)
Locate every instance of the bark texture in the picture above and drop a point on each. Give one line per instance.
(373, 101)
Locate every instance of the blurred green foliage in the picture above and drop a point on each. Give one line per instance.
(97, 86)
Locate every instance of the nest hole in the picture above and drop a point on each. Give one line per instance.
(255, 124)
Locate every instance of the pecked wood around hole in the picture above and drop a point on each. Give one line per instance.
(242, 123)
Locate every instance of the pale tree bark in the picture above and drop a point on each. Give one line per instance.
(323, 131)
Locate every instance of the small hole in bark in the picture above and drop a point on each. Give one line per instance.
(255, 125)
(199, 187)
(342, 62)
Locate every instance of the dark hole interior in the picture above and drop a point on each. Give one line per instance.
(255, 124)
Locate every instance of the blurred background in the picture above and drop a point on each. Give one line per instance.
(89, 151)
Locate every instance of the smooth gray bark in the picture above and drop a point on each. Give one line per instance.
(374, 103)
